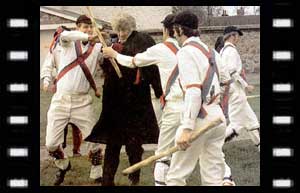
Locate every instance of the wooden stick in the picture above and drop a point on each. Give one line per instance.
(172, 150)
(113, 62)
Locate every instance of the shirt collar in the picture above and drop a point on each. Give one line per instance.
(229, 43)
(172, 40)
(192, 38)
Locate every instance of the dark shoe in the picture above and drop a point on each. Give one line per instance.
(98, 180)
(231, 136)
(60, 175)
(108, 183)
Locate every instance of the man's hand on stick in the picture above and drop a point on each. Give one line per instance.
(109, 52)
(183, 141)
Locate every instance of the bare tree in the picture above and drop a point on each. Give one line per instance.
(204, 13)
(257, 11)
(217, 10)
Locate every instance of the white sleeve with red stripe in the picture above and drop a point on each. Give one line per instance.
(67, 36)
(190, 78)
(147, 58)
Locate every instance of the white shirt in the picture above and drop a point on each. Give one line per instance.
(47, 69)
(193, 66)
(164, 58)
(233, 63)
(50, 65)
(74, 81)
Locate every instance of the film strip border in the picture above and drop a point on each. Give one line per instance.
(19, 99)
(284, 96)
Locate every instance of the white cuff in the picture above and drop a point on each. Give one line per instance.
(188, 123)
(46, 81)
(125, 60)
(85, 37)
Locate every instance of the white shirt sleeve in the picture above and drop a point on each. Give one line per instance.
(223, 71)
(47, 68)
(236, 76)
(231, 59)
(67, 36)
(147, 58)
(189, 75)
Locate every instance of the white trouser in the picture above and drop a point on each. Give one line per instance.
(170, 121)
(69, 108)
(157, 109)
(206, 150)
(241, 115)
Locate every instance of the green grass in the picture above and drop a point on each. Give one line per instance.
(242, 156)
(255, 102)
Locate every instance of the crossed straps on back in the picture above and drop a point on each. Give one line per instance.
(212, 69)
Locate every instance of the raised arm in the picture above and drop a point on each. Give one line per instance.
(68, 36)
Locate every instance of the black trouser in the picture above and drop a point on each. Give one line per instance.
(134, 150)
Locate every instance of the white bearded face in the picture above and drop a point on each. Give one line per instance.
(123, 35)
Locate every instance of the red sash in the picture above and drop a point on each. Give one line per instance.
(206, 85)
(85, 69)
(81, 57)
(172, 78)
(55, 39)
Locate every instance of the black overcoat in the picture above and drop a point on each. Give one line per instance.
(127, 109)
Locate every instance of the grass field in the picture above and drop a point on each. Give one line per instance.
(241, 155)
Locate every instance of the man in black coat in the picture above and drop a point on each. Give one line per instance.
(127, 116)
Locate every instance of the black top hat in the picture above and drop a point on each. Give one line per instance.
(230, 29)
(168, 21)
(187, 19)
